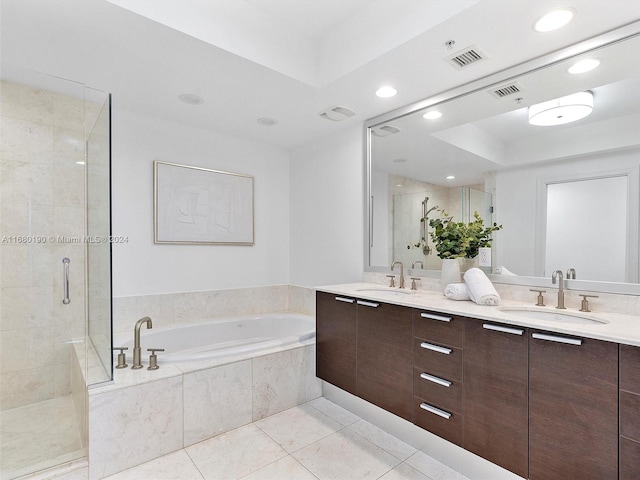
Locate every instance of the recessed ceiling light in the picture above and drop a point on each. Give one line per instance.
(450, 177)
(79, 162)
(561, 110)
(386, 92)
(432, 115)
(267, 122)
(554, 20)
(583, 66)
(190, 99)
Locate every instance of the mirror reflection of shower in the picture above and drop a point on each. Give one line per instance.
(424, 224)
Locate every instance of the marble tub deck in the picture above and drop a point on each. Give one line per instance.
(315, 440)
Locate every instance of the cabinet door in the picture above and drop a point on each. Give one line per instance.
(336, 340)
(573, 402)
(496, 377)
(385, 372)
(629, 412)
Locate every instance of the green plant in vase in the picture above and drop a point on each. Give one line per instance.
(459, 239)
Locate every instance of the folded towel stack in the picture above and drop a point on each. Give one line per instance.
(481, 290)
(457, 291)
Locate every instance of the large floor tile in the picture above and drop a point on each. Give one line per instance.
(339, 414)
(174, 466)
(346, 455)
(404, 472)
(382, 439)
(235, 454)
(287, 468)
(433, 468)
(298, 427)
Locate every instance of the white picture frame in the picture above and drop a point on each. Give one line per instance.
(195, 205)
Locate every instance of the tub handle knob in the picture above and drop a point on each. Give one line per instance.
(153, 358)
(122, 359)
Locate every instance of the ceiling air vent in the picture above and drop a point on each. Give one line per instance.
(506, 90)
(466, 57)
(337, 113)
(384, 130)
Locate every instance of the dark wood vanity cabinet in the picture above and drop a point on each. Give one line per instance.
(384, 356)
(573, 408)
(496, 383)
(438, 374)
(336, 340)
(364, 347)
(629, 412)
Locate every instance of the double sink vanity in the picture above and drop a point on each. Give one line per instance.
(544, 393)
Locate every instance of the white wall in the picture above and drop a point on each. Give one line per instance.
(327, 212)
(142, 267)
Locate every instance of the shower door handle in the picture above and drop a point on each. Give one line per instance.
(65, 262)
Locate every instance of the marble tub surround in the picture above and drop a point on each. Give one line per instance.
(619, 328)
(183, 404)
(193, 307)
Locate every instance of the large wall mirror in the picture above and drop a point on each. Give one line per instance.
(567, 192)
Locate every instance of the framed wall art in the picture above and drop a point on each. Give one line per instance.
(194, 205)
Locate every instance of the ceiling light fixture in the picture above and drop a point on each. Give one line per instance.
(450, 177)
(190, 99)
(554, 20)
(561, 110)
(432, 115)
(583, 66)
(386, 92)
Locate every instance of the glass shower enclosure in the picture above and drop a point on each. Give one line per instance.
(55, 266)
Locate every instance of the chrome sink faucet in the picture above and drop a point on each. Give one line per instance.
(137, 351)
(413, 265)
(554, 276)
(401, 272)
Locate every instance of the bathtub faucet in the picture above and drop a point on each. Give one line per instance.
(137, 351)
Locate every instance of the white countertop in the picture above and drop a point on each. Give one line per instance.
(618, 328)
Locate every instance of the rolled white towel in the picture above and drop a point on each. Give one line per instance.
(457, 291)
(502, 270)
(481, 290)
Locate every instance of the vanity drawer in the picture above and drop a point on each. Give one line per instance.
(437, 391)
(438, 359)
(630, 415)
(630, 368)
(437, 420)
(438, 327)
(629, 459)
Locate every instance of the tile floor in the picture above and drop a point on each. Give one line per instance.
(316, 440)
(38, 436)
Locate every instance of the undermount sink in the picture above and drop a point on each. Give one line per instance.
(387, 290)
(559, 316)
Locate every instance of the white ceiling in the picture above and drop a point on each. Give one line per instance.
(285, 59)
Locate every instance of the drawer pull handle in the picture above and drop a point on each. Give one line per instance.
(439, 381)
(437, 411)
(554, 338)
(436, 348)
(435, 317)
(367, 304)
(498, 328)
(345, 300)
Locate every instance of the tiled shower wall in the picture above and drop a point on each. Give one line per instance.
(41, 197)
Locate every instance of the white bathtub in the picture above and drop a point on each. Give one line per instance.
(222, 337)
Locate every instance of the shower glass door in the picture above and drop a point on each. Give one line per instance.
(44, 291)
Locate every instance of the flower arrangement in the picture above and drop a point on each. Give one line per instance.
(459, 239)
